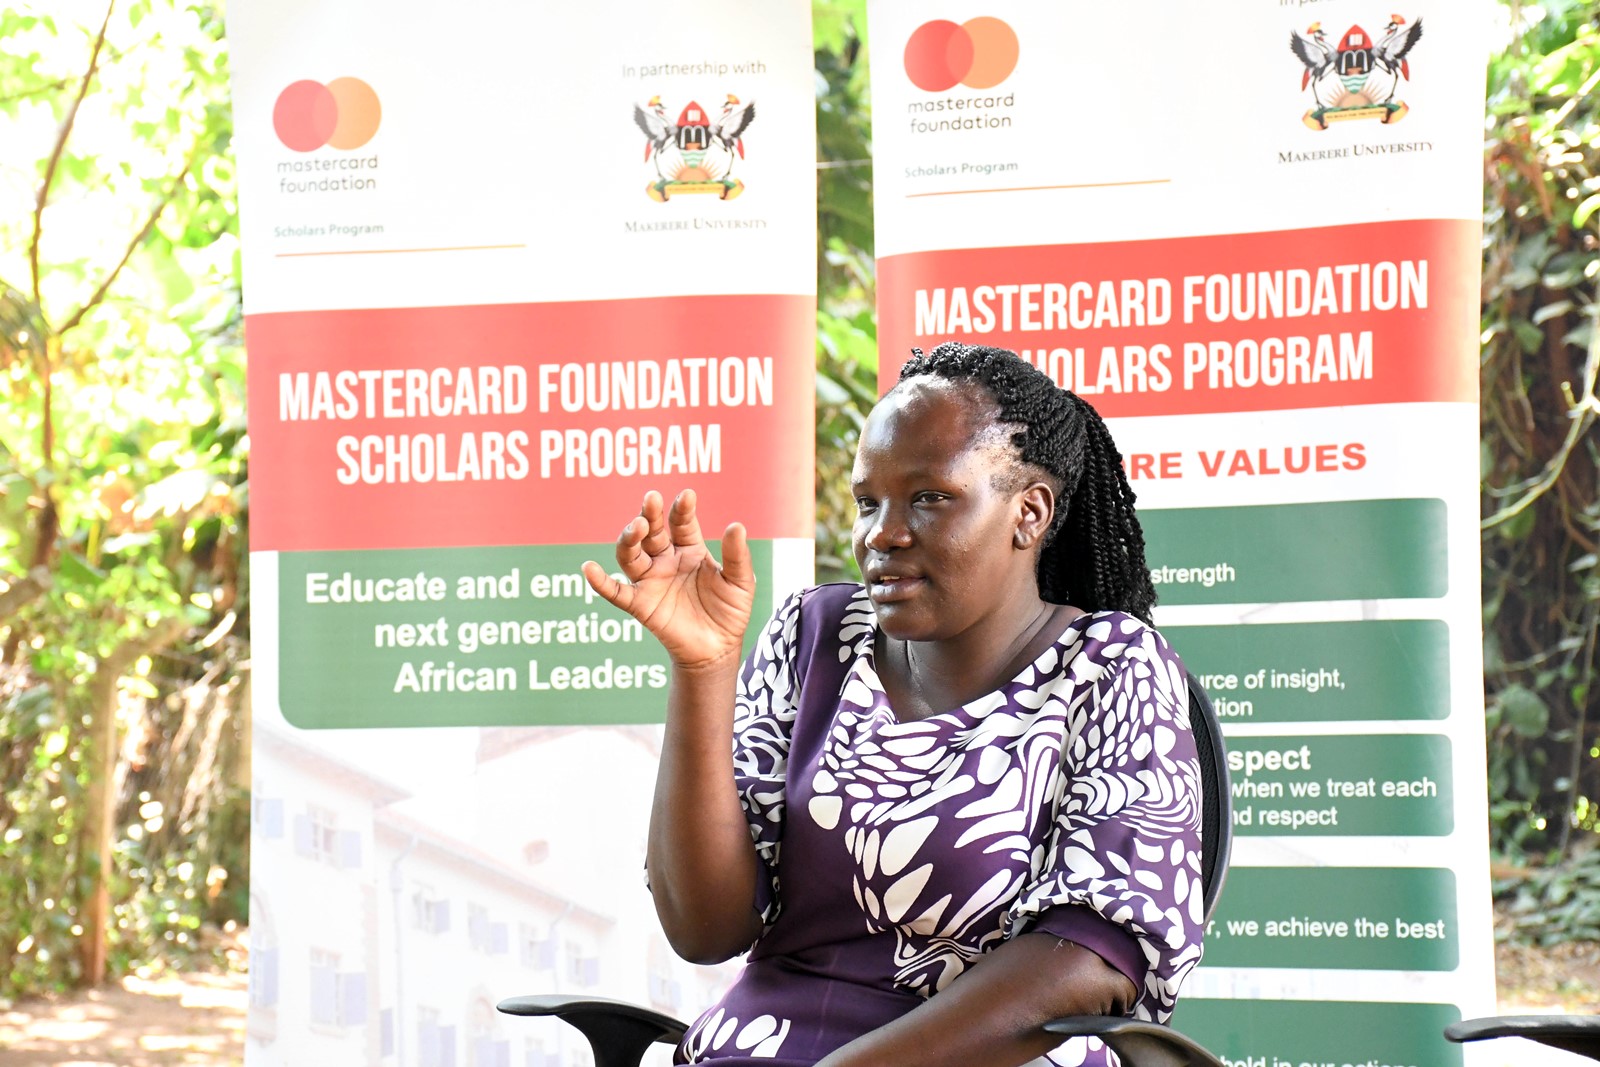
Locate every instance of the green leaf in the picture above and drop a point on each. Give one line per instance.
(1529, 336)
(831, 393)
(1584, 210)
(1524, 710)
(1566, 269)
(1580, 334)
(1550, 311)
(122, 542)
(176, 286)
(73, 569)
(1519, 526)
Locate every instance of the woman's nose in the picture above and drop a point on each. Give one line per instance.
(888, 530)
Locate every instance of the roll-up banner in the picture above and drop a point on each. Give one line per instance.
(506, 267)
(1248, 233)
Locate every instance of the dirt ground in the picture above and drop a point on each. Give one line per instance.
(173, 1020)
(188, 1020)
(1548, 981)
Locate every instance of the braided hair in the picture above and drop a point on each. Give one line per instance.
(1093, 554)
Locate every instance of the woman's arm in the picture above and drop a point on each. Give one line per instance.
(701, 860)
(700, 856)
(993, 1014)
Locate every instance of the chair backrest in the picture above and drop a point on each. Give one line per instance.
(1216, 814)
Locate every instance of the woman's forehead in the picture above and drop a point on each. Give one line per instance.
(927, 396)
(928, 422)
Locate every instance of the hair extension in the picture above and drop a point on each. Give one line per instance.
(1093, 556)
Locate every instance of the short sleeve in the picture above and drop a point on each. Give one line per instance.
(762, 728)
(1126, 840)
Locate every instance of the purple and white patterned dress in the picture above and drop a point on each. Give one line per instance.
(894, 854)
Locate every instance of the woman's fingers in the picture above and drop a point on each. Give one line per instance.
(658, 530)
(657, 539)
(631, 556)
(613, 591)
(736, 565)
(683, 523)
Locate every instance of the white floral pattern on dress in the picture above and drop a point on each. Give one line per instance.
(1073, 784)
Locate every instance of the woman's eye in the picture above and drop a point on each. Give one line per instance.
(865, 504)
(929, 498)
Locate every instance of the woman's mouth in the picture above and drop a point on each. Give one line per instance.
(888, 588)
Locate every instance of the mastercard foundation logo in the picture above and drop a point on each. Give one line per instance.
(343, 114)
(979, 53)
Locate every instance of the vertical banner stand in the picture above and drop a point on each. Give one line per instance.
(505, 269)
(1248, 234)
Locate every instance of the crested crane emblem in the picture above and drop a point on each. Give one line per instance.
(1357, 78)
(697, 153)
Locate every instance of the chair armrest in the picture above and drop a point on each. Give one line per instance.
(618, 1032)
(1579, 1034)
(1137, 1044)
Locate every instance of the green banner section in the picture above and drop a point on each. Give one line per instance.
(1362, 785)
(1321, 671)
(467, 637)
(1318, 1033)
(1343, 550)
(1338, 918)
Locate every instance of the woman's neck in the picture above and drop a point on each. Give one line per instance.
(923, 678)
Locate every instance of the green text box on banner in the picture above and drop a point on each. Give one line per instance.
(1315, 1033)
(1347, 918)
(1364, 785)
(1343, 550)
(1378, 669)
(467, 637)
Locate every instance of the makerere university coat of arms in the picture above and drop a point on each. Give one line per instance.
(696, 154)
(1358, 79)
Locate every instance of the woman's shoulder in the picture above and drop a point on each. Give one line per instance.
(1125, 661)
(836, 613)
(827, 609)
(834, 593)
(1115, 641)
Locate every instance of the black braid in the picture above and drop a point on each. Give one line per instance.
(1093, 556)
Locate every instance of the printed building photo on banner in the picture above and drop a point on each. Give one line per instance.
(1249, 236)
(492, 299)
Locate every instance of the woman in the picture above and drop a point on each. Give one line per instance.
(950, 806)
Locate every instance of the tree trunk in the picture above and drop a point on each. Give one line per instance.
(99, 829)
(242, 754)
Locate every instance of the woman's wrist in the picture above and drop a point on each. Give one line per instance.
(711, 666)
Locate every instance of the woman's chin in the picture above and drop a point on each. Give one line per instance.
(903, 621)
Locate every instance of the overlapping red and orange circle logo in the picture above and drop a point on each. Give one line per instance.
(979, 53)
(341, 114)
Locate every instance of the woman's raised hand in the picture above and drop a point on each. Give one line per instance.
(695, 608)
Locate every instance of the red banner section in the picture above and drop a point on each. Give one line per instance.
(1365, 314)
(529, 423)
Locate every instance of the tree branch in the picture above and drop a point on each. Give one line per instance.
(1582, 411)
(49, 87)
(133, 245)
(61, 145)
(23, 591)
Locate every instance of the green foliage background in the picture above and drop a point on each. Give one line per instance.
(1540, 452)
(124, 463)
(122, 486)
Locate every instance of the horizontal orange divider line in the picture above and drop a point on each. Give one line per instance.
(394, 251)
(1037, 188)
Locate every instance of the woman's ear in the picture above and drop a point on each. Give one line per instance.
(1038, 511)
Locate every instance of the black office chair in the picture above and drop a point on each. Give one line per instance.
(1578, 1034)
(619, 1033)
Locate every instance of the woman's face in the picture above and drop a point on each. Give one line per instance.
(941, 542)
